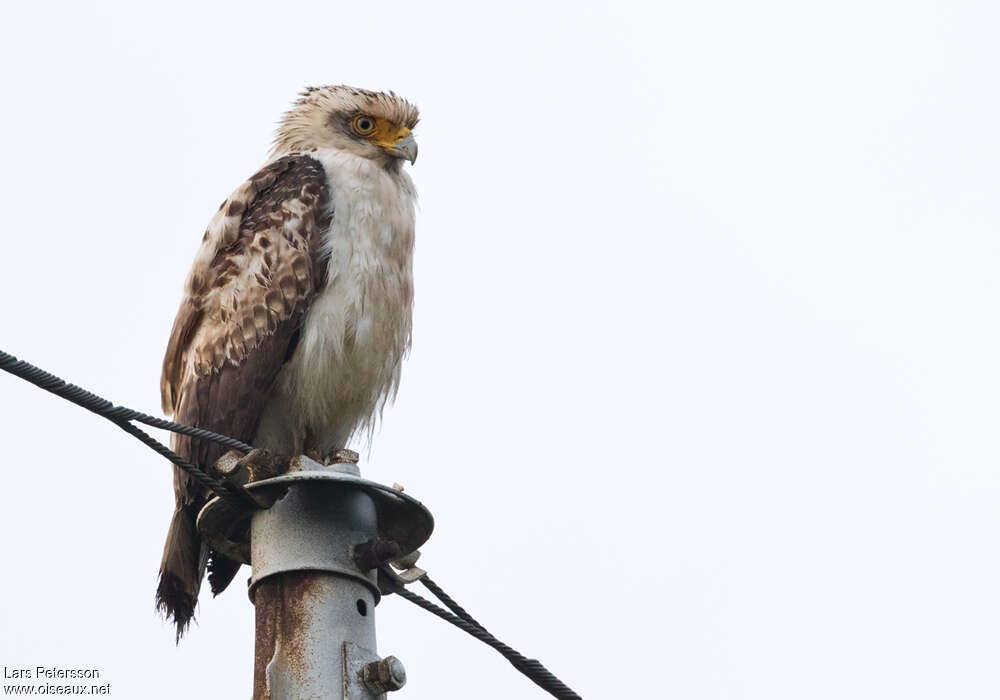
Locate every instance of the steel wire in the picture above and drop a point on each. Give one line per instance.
(532, 668)
(120, 416)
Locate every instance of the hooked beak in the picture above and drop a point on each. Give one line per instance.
(406, 149)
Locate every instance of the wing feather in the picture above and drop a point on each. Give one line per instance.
(254, 276)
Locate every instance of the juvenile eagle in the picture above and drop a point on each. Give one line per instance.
(297, 311)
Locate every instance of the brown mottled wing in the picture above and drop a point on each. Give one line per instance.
(256, 273)
(254, 276)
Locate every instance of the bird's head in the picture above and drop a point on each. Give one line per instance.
(373, 125)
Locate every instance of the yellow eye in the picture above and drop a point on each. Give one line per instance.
(364, 125)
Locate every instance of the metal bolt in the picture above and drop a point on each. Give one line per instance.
(385, 675)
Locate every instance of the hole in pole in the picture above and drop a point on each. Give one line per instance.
(362, 607)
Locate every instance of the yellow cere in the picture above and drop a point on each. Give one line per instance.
(387, 134)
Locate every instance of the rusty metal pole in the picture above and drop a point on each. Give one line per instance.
(314, 604)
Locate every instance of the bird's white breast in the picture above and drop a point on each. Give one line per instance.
(355, 333)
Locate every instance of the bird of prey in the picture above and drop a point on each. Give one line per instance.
(297, 311)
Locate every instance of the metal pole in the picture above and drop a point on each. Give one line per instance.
(314, 604)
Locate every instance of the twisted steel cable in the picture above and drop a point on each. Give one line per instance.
(448, 601)
(223, 489)
(103, 407)
(532, 668)
(120, 416)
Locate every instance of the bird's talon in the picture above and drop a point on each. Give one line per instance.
(341, 456)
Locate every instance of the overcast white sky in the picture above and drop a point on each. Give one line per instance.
(703, 392)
